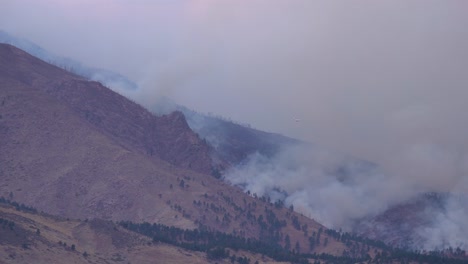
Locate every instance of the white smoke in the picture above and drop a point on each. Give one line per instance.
(334, 189)
(343, 192)
(383, 80)
(448, 229)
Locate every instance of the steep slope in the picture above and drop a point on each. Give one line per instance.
(53, 159)
(106, 77)
(232, 142)
(74, 148)
(235, 142)
(428, 221)
(168, 138)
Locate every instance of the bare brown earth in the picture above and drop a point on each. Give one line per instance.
(129, 124)
(73, 148)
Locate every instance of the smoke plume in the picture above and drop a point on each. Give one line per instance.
(346, 193)
(379, 80)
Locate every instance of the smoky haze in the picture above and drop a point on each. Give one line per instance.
(384, 80)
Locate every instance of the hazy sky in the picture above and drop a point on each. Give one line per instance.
(385, 80)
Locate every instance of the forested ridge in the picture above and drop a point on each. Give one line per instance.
(217, 245)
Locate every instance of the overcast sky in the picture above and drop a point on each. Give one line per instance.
(383, 80)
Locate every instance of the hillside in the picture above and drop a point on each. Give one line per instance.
(106, 77)
(28, 237)
(427, 221)
(235, 142)
(74, 148)
(169, 138)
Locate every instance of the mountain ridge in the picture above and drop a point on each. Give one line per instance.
(59, 160)
(106, 77)
(116, 115)
(73, 148)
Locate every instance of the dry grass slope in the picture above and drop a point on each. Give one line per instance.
(40, 238)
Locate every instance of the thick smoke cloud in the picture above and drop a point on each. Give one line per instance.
(332, 188)
(345, 193)
(381, 80)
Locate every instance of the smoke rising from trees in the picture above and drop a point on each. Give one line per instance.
(343, 192)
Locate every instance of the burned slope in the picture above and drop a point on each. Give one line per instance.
(428, 221)
(234, 142)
